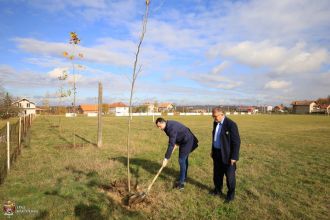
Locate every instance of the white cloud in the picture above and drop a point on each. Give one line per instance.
(251, 53)
(57, 72)
(46, 61)
(279, 59)
(6, 70)
(218, 82)
(113, 12)
(277, 84)
(283, 21)
(304, 62)
(171, 36)
(94, 54)
(220, 68)
(212, 80)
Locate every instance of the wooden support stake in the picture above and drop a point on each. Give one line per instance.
(19, 132)
(99, 124)
(8, 146)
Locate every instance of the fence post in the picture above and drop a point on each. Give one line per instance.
(19, 132)
(8, 146)
(24, 125)
(99, 115)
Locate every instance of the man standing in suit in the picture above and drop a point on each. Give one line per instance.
(178, 135)
(225, 152)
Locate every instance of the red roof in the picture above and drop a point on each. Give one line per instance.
(305, 102)
(89, 107)
(117, 104)
(164, 105)
(324, 106)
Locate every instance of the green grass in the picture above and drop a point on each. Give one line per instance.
(4, 122)
(283, 171)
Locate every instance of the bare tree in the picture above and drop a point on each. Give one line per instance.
(135, 74)
(74, 41)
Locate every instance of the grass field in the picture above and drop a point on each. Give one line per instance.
(283, 171)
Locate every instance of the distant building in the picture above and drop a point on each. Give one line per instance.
(278, 108)
(199, 110)
(118, 108)
(150, 107)
(269, 108)
(303, 107)
(322, 108)
(28, 107)
(163, 107)
(247, 109)
(86, 108)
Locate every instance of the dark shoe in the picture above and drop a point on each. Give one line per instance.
(216, 192)
(179, 186)
(229, 199)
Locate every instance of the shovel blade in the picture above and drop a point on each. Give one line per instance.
(136, 198)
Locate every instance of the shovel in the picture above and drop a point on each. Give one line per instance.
(139, 197)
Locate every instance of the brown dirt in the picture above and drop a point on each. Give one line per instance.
(118, 191)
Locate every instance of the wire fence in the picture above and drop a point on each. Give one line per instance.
(10, 142)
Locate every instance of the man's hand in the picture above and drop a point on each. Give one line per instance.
(165, 161)
(232, 162)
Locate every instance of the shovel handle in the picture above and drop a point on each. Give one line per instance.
(159, 171)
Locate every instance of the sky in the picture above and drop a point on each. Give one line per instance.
(248, 52)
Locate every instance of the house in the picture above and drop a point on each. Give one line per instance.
(247, 109)
(150, 107)
(324, 108)
(118, 108)
(303, 107)
(28, 107)
(278, 108)
(86, 109)
(165, 107)
(270, 108)
(40, 110)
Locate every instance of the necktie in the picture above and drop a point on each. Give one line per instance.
(217, 132)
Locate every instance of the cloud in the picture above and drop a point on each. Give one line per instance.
(171, 37)
(277, 84)
(57, 72)
(279, 59)
(219, 82)
(220, 68)
(113, 12)
(304, 61)
(46, 61)
(92, 54)
(215, 80)
(282, 21)
(6, 70)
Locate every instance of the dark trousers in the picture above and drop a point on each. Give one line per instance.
(221, 168)
(183, 161)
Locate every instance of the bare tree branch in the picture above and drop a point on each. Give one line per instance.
(134, 76)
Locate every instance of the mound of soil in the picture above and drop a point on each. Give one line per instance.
(118, 191)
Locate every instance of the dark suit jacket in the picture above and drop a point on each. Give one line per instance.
(230, 140)
(180, 135)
